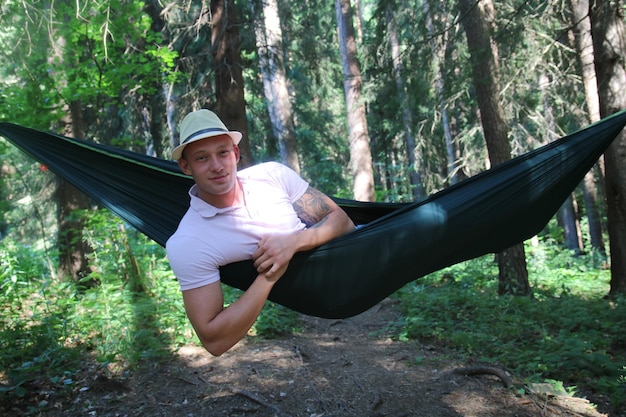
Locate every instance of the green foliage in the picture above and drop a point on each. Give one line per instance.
(35, 333)
(276, 321)
(49, 329)
(567, 332)
(89, 56)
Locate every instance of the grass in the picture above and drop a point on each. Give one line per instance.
(50, 329)
(568, 333)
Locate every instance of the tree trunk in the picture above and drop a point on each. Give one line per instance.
(590, 197)
(568, 219)
(407, 119)
(583, 44)
(436, 50)
(73, 249)
(157, 118)
(269, 40)
(360, 151)
(229, 93)
(609, 44)
(568, 213)
(513, 274)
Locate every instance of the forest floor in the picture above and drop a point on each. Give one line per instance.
(337, 368)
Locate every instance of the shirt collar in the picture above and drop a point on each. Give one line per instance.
(203, 208)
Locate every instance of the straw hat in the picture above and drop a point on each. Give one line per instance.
(201, 124)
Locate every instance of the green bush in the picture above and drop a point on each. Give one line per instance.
(134, 313)
(568, 331)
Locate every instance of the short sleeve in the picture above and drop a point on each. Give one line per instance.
(192, 265)
(293, 184)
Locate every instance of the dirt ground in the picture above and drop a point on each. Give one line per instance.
(333, 368)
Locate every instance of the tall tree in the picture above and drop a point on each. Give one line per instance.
(72, 248)
(437, 50)
(269, 39)
(229, 88)
(360, 151)
(609, 44)
(407, 116)
(583, 44)
(477, 18)
(568, 213)
(154, 95)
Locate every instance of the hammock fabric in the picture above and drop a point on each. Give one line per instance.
(396, 244)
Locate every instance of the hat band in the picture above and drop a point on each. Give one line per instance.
(203, 131)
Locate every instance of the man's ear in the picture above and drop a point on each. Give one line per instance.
(237, 155)
(184, 166)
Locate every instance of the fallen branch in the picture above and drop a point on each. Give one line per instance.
(486, 370)
(259, 400)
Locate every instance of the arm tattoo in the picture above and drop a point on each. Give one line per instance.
(312, 208)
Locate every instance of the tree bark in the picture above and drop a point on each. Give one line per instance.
(407, 119)
(583, 43)
(513, 274)
(437, 49)
(609, 44)
(229, 89)
(73, 249)
(269, 39)
(157, 120)
(568, 213)
(360, 151)
(568, 219)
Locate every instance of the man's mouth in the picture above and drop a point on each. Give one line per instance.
(220, 177)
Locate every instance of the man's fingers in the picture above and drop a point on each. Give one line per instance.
(275, 272)
(263, 262)
(269, 267)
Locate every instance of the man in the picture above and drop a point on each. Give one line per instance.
(266, 213)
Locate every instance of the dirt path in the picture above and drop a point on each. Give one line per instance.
(332, 368)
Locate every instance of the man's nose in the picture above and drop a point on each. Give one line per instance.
(215, 164)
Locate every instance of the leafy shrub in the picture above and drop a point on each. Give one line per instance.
(135, 313)
(567, 331)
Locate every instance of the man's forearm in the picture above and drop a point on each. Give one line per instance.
(231, 324)
(335, 224)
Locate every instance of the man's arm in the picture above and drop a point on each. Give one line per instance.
(325, 221)
(220, 328)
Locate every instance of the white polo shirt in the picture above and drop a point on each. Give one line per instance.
(208, 237)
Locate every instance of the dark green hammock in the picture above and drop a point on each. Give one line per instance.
(397, 243)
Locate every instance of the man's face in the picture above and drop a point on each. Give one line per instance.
(212, 162)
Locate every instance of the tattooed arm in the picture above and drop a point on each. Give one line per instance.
(325, 221)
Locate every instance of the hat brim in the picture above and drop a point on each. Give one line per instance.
(177, 153)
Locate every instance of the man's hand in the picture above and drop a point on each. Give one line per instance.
(324, 220)
(273, 255)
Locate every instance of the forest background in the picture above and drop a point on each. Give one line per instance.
(374, 100)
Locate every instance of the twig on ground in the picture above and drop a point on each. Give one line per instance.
(486, 370)
(259, 400)
(248, 395)
(377, 401)
(185, 380)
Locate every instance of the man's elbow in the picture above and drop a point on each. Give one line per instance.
(216, 348)
(348, 224)
(215, 352)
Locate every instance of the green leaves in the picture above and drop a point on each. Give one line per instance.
(572, 336)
